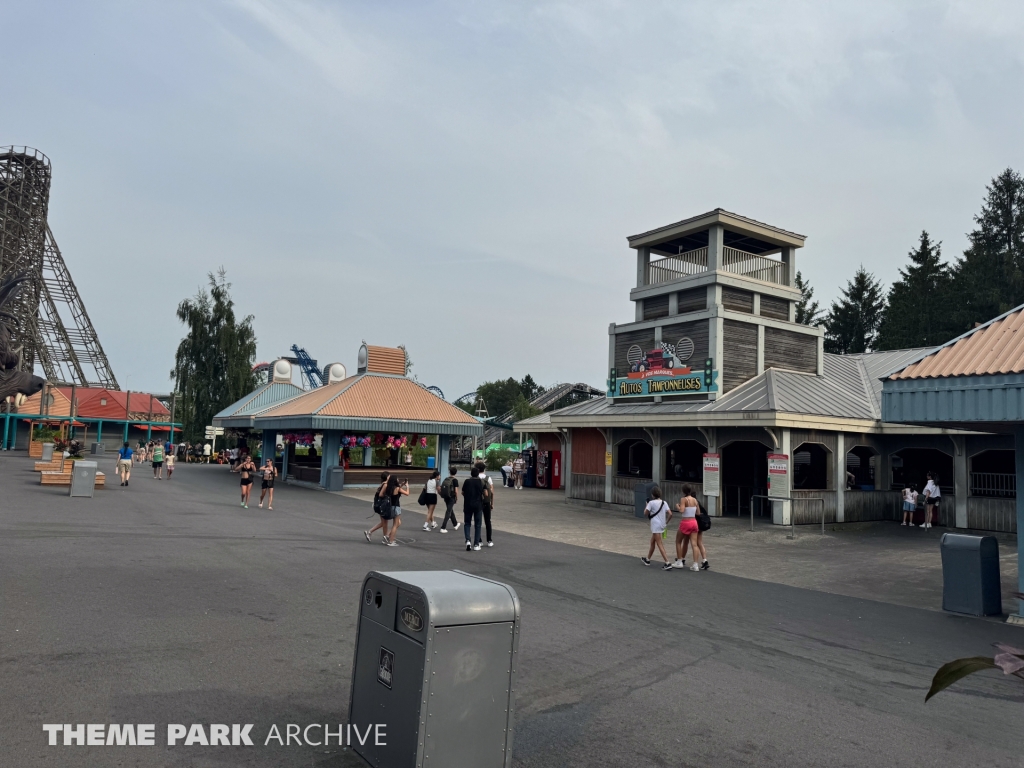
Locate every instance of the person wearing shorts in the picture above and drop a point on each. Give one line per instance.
(658, 512)
(169, 460)
(431, 489)
(932, 497)
(246, 468)
(157, 452)
(382, 524)
(909, 505)
(269, 472)
(124, 463)
(689, 533)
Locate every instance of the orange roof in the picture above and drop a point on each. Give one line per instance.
(385, 360)
(373, 396)
(97, 403)
(996, 347)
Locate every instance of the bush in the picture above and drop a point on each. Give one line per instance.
(497, 458)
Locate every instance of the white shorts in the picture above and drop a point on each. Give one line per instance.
(658, 524)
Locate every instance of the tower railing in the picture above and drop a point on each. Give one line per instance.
(751, 265)
(677, 267)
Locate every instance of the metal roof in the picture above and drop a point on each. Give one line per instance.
(241, 412)
(719, 213)
(993, 348)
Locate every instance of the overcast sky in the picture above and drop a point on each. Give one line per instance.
(417, 172)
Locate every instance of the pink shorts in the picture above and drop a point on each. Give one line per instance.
(687, 526)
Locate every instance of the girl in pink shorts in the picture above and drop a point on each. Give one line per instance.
(689, 533)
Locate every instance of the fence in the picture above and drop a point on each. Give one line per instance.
(751, 265)
(998, 485)
(989, 514)
(677, 267)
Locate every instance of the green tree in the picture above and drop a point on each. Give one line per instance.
(917, 313)
(807, 311)
(852, 321)
(989, 279)
(213, 363)
(501, 396)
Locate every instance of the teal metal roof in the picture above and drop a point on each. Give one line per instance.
(241, 412)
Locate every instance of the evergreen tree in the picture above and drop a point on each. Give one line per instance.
(917, 311)
(989, 279)
(852, 321)
(807, 311)
(213, 363)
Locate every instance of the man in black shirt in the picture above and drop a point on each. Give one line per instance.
(472, 507)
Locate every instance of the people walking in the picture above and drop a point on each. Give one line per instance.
(689, 534)
(909, 505)
(269, 472)
(395, 490)
(658, 512)
(472, 508)
(486, 501)
(246, 468)
(124, 462)
(169, 459)
(378, 496)
(932, 497)
(207, 450)
(450, 494)
(431, 499)
(158, 461)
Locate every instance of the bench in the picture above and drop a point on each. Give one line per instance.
(64, 478)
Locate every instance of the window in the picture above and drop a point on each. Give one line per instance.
(103, 401)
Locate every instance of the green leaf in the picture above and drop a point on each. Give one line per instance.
(955, 670)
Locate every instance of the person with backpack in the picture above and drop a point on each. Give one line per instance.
(395, 490)
(379, 508)
(690, 533)
(658, 512)
(472, 507)
(430, 499)
(450, 494)
(486, 501)
(124, 463)
(157, 453)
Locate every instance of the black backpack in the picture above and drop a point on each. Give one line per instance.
(703, 518)
(447, 488)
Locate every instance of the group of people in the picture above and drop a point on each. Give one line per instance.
(156, 453)
(477, 505)
(513, 473)
(689, 536)
(243, 464)
(932, 497)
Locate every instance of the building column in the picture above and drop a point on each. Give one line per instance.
(760, 349)
(839, 476)
(444, 453)
(643, 261)
(789, 259)
(609, 463)
(716, 242)
(269, 439)
(673, 303)
(99, 431)
(657, 458)
(330, 444)
(716, 348)
(711, 435)
(782, 511)
(961, 479)
(284, 463)
(1018, 445)
(565, 435)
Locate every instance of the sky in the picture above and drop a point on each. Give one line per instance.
(461, 178)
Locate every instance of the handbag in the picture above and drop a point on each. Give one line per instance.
(422, 500)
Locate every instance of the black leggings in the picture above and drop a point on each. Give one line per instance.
(487, 520)
(449, 513)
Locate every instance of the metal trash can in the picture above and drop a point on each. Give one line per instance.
(83, 478)
(336, 479)
(970, 575)
(96, 449)
(435, 665)
(47, 452)
(641, 495)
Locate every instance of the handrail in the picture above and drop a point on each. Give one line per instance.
(751, 265)
(792, 517)
(677, 267)
(695, 262)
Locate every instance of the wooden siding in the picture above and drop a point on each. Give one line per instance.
(774, 307)
(740, 352)
(805, 511)
(622, 489)
(548, 441)
(655, 307)
(697, 332)
(790, 350)
(587, 487)
(693, 300)
(737, 300)
(986, 514)
(828, 439)
(865, 506)
(672, 492)
(588, 449)
(623, 341)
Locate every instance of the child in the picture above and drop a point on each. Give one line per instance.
(909, 505)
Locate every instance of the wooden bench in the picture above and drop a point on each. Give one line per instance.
(64, 478)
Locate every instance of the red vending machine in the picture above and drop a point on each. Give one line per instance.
(543, 469)
(556, 470)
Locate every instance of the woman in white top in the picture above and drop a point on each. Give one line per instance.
(909, 505)
(932, 496)
(659, 514)
(433, 485)
(689, 533)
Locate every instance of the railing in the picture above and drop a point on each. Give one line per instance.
(999, 485)
(677, 267)
(751, 265)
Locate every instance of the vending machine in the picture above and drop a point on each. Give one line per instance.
(530, 457)
(543, 469)
(556, 470)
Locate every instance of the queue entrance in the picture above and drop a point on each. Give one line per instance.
(744, 476)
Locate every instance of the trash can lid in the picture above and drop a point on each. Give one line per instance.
(455, 597)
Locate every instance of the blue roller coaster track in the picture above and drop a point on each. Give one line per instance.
(312, 376)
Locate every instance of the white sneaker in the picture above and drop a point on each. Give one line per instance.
(695, 567)
(444, 530)
(476, 547)
(457, 525)
(426, 526)
(433, 524)
(490, 543)
(679, 563)
(392, 543)
(468, 546)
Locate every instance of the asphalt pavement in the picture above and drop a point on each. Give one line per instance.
(165, 602)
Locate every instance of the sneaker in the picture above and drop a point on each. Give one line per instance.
(246, 506)
(261, 505)
(433, 524)
(694, 567)
(444, 530)
(392, 543)
(457, 526)
(426, 526)
(490, 543)
(270, 508)
(476, 547)
(667, 567)
(383, 539)
(705, 566)
(679, 563)
(468, 546)
(645, 561)
(367, 535)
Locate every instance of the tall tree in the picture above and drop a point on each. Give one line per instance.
(502, 396)
(213, 363)
(852, 322)
(807, 311)
(917, 313)
(989, 279)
